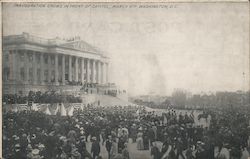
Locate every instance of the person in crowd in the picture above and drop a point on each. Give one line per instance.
(223, 152)
(155, 152)
(114, 149)
(139, 139)
(245, 153)
(167, 150)
(179, 147)
(109, 145)
(151, 135)
(72, 135)
(133, 132)
(81, 146)
(125, 152)
(200, 153)
(145, 140)
(95, 148)
(189, 152)
(75, 154)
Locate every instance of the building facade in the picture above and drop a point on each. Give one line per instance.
(32, 63)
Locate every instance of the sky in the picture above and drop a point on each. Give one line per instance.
(153, 47)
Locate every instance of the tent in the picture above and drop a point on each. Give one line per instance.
(70, 111)
(62, 110)
(47, 111)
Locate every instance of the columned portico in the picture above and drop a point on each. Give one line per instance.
(41, 68)
(37, 63)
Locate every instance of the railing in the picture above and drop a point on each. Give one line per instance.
(30, 38)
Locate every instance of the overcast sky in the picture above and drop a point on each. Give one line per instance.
(197, 47)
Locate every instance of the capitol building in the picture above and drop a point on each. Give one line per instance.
(33, 63)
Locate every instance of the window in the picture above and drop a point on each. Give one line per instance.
(66, 77)
(22, 73)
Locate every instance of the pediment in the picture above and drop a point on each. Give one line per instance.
(81, 46)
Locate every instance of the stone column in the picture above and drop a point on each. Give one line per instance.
(49, 70)
(70, 68)
(104, 72)
(107, 72)
(56, 69)
(42, 68)
(34, 65)
(82, 70)
(102, 81)
(26, 66)
(88, 71)
(63, 69)
(16, 66)
(76, 69)
(13, 65)
(94, 72)
(99, 72)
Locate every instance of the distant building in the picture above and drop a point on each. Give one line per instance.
(32, 63)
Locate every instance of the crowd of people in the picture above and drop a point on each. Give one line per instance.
(39, 97)
(34, 135)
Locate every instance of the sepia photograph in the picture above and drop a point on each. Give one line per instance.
(109, 80)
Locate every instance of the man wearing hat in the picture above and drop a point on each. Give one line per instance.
(200, 153)
(75, 154)
(81, 145)
(125, 152)
(109, 145)
(17, 153)
(95, 148)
